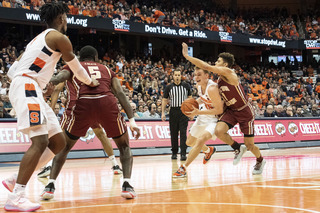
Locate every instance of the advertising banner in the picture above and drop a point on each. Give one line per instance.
(157, 134)
(113, 25)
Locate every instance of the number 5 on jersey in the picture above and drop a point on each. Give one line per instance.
(94, 72)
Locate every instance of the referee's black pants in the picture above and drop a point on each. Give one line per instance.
(178, 122)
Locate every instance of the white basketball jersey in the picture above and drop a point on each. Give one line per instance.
(38, 61)
(206, 101)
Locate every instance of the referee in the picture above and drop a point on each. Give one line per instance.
(177, 92)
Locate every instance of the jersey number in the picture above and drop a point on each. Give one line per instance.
(94, 72)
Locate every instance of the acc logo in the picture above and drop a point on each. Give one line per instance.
(88, 138)
(280, 129)
(293, 129)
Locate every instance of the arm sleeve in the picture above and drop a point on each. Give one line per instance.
(79, 71)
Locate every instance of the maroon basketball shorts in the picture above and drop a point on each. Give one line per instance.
(90, 112)
(244, 117)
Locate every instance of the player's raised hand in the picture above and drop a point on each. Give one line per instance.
(184, 49)
(49, 89)
(135, 132)
(94, 83)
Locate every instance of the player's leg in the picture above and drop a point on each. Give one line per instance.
(226, 122)
(126, 160)
(57, 164)
(28, 164)
(101, 135)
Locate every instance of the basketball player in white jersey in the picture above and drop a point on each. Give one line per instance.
(29, 76)
(210, 105)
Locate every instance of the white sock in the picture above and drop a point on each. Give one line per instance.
(51, 181)
(46, 156)
(49, 163)
(113, 160)
(127, 179)
(18, 188)
(208, 150)
(184, 165)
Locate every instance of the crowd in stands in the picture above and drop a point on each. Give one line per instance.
(281, 90)
(204, 15)
(312, 21)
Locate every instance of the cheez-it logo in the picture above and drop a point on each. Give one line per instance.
(224, 88)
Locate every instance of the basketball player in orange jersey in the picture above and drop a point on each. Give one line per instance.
(210, 105)
(29, 76)
(238, 110)
(92, 106)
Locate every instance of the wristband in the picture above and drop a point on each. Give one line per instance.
(132, 122)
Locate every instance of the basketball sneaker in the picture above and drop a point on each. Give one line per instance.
(48, 192)
(238, 154)
(207, 156)
(10, 182)
(45, 172)
(181, 173)
(19, 203)
(128, 191)
(116, 170)
(258, 168)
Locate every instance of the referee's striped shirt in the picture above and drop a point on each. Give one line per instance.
(177, 93)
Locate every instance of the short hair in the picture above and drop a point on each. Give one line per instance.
(205, 71)
(88, 52)
(50, 11)
(177, 70)
(228, 58)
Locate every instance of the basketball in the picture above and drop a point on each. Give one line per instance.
(187, 105)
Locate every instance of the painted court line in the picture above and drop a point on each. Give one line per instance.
(183, 203)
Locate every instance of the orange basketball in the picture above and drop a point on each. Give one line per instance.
(186, 106)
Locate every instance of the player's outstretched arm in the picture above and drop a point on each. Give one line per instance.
(224, 71)
(61, 77)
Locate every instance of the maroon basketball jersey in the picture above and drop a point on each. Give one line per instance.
(233, 96)
(104, 75)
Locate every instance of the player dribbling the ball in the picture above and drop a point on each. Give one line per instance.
(210, 105)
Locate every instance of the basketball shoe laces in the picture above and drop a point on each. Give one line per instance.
(236, 153)
(258, 165)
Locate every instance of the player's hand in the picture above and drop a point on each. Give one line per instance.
(193, 113)
(135, 132)
(94, 83)
(49, 89)
(163, 117)
(185, 50)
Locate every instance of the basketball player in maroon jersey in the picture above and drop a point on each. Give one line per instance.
(238, 109)
(93, 107)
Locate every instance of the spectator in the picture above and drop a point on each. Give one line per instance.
(134, 109)
(314, 111)
(279, 111)
(269, 112)
(299, 112)
(3, 112)
(306, 111)
(158, 16)
(152, 112)
(289, 112)
(6, 103)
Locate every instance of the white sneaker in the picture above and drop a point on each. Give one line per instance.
(19, 203)
(238, 154)
(10, 182)
(258, 168)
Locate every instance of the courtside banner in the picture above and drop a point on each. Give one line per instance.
(23, 16)
(157, 134)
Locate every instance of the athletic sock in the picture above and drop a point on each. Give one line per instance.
(235, 145)
(51, 181)
(18, 188)
(113, 160)
(208, 150)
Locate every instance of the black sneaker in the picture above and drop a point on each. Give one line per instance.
(183, 157)
(128, 191)
(174, 157)
(117, 170)
(48, 192)
(45, 172)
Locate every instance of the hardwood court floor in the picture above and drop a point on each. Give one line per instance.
(290, 183)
